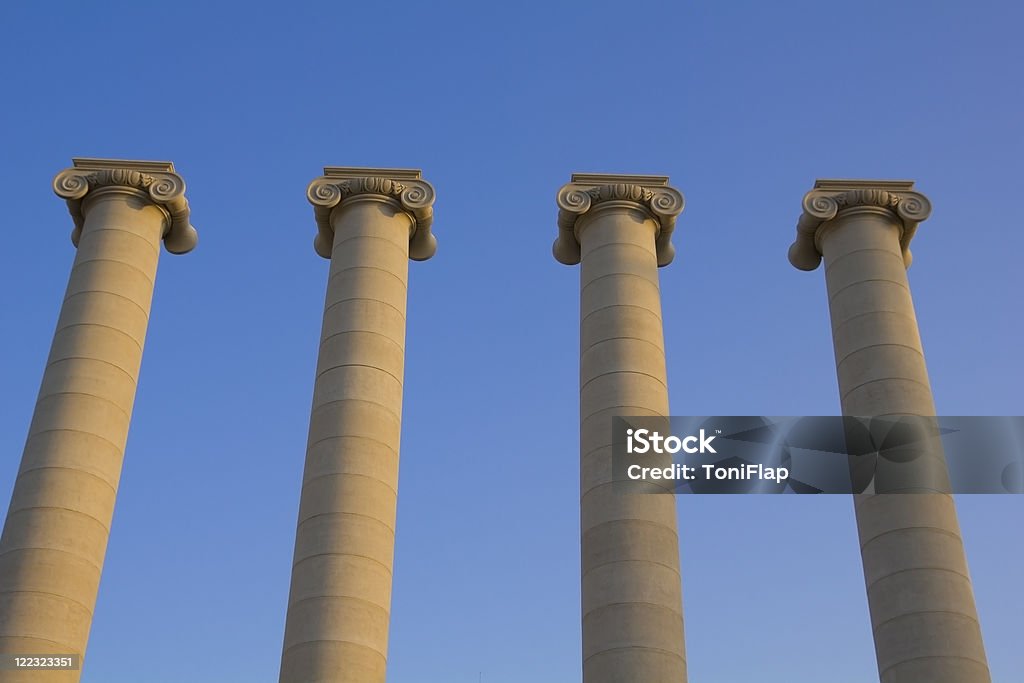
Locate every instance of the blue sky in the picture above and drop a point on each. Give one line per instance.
(743, 104)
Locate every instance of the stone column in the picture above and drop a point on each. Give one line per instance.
(371, 221)
(618, 227)
(55, 536)
(919, 591)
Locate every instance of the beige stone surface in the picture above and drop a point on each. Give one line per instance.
(55, 535)
(370, 223)
(619, 229)
(922, 607)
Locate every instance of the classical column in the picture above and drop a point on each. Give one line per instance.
(618, 227)
(919, 591)
(55, 535)
(371, 221)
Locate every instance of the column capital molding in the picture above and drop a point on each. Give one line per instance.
(401, 186)
(834, 198)
(587, 192)
(156, 181)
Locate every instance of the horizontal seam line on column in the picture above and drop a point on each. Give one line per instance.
(861, 251)
(590, 415)
(658, 348)
(373, 332)
(359, 365)
(913, 490)
(903, 414)
(82, 393)
(658, 416)
(663, 486)
(623, 372)
(588, 452)
(966, 617)
(119, 331)
(63, 359)
(386, 611)
(874, 346)
(617, 241)
(604, 308)
(371, 236)
(908, 528)
(397, 246)
(391, 448)
(98, 568)
(56, 595)
(120, 450)
(360, 400)
(656, 285)
(69, 469)
(875, 313)
(346, 514)
(68, 649)
(914, 659)
(636, 647)
(305, 482)
(124, 231)
(863, 498)
(347, 642)
(364, 298)
(832, 295)
(620, 337)
(364, 557)
(631, 520)
(607, 245)
(336, 274)
(839, 332)
(884, 379)
(102, 259)
(916, 569)
(647, 603)
(595, 449)
(133, 302)
(59, 507)
(591, 568)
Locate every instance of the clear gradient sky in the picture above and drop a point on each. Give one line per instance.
(743, 104)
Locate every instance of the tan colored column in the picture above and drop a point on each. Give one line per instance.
(55, 535)
(619, 228)
(371, 222)
(919, 591)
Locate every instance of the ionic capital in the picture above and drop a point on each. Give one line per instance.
(834, 198)
(403, 187)
(589, 192)
(156, 181)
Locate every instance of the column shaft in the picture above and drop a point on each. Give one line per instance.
(923, 615)
(631, 590)
(340, 600)
(55, 536)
